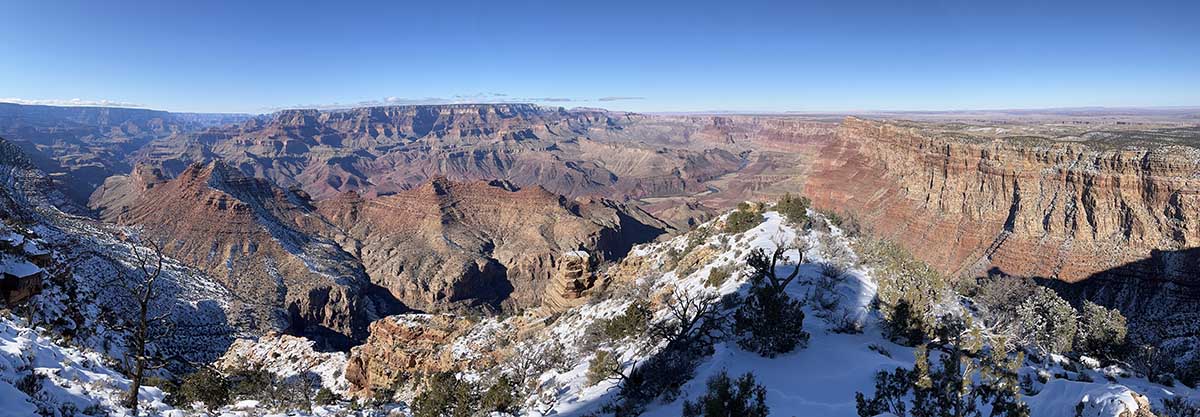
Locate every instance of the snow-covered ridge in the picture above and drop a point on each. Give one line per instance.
(821, 379)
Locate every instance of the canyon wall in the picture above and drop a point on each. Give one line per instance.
(450, 244)
(1120, 222)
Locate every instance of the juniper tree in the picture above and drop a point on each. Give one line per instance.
(1102, 331)
(769, 322)
(794, 209)
(446, 396)
(1047, 321)
(206, 386)
(726, 397)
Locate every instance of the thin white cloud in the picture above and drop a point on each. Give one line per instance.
(71, 102)
(620, 98)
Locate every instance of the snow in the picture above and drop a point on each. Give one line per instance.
(575, 254)
(66, 378)
(288, 357)
(17, 267)
(1098, 399)
(33, 248)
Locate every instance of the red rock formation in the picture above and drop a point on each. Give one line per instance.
(447, 244)
(1052, 209)
(244, 232)
(402, 348)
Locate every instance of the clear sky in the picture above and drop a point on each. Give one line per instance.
(700, 55)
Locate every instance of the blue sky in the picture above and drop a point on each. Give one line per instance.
(255, 56)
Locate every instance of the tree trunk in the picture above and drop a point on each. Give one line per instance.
(139, 352)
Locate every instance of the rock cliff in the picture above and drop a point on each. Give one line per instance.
(1116, 211)
(1029, 207)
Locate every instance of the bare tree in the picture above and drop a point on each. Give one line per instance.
(691, 315)
(765, 267)
(141, 325)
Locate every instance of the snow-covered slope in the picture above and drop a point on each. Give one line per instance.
(39, 376)
(820, 380)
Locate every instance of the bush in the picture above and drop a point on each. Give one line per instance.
(168, 387)
(250, 383)
(824, 295)
(794, 209)
(325, 397)
(770, 323)
(382, 396)
(692, 326)
(1178, 407)
(718, 275)
(660, 376)
(206, 386)
(604, 366)
(671, 258)
(1102, 331)
(846, 221)
(745, 218)
(997, 298)
(728, 398)
(634, 321)
(835, 251)
(948, 389)
(908, 293)
(1047, 321)
(500, 397)
(890, 390)
(1189, 372)
(445, 396)
(1152, 362)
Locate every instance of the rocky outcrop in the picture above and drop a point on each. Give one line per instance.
(402, 348)
(448, 244)
(288, 357)
(572, 281)
(329, 268)
(1117, 214)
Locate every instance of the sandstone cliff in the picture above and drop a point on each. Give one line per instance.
(1049, 208)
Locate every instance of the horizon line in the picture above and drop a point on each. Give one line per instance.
(663, 113)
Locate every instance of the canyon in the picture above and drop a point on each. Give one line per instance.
(326, 220)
